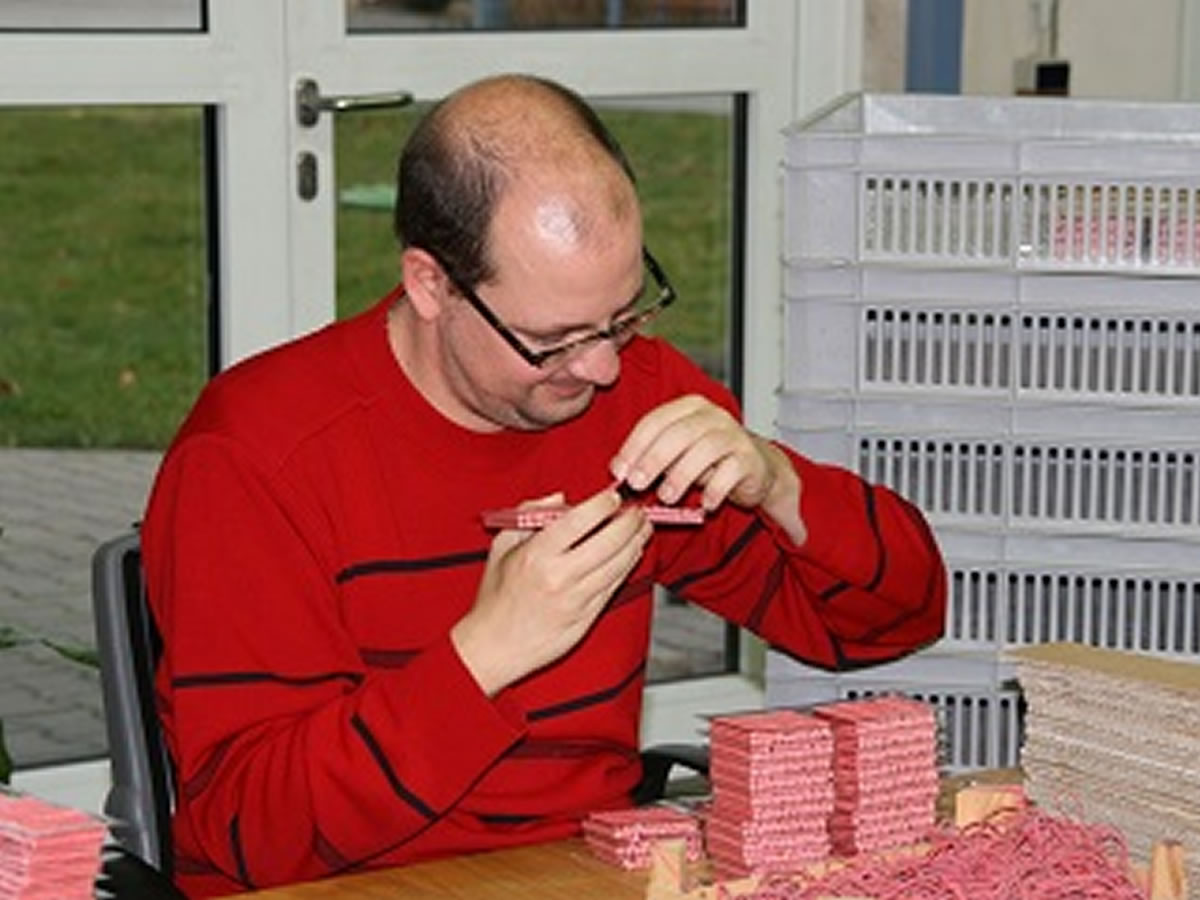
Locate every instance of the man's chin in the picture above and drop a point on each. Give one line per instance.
(559, 409)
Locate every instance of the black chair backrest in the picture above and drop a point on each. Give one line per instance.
(140, 799)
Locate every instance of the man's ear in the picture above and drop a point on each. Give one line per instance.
(425, 284)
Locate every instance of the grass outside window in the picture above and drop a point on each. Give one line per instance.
(103, 293)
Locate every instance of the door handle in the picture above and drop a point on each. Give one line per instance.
(310, 103)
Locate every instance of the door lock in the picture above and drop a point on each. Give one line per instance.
(309, 106)
(310, 103)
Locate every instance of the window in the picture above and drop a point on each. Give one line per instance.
(103, 300)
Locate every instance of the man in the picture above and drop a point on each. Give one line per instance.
(357, 672)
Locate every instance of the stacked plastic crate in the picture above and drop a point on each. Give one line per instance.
(993, 306)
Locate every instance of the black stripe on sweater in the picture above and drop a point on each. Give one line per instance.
(239, 855)
(768, 593)
(381, 760)
(386, 659)
(730, 552)
(630, 591)
(219, 679)
(327, 853)
(569, 706)
(405, 566)
(880, 549)
(507, 818)
(195, 786)
(927, 597)
(832, 591)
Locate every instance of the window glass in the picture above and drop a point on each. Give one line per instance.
(102, 15)
(682, 152)
(102, 351)
(463, 15)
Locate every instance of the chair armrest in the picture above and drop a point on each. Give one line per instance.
(124, 876)
(657, 762)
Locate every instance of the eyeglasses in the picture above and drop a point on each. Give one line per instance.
(618, 332)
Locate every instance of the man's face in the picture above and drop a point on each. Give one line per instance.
(552, 285)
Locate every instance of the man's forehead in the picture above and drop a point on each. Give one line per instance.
(574, 291)
(558, 221)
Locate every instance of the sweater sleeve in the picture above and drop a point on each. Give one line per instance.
(868, 585)
(292, 758)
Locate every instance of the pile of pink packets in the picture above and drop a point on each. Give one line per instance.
(47, 852)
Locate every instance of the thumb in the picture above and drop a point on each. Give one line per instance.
(558, 498)
(509, 538)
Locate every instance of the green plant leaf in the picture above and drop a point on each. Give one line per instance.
(10, 637)
(85, 656)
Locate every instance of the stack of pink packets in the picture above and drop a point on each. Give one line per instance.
(624, 837)
(885, 772)
(47, 852)
(772, 792)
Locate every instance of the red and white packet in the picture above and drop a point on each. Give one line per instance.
(534, 517)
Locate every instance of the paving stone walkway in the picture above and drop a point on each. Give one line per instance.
(55, 508)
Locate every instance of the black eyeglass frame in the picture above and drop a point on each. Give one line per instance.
(614, 332)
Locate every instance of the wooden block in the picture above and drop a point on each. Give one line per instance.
(986, 802)
(1168, 878)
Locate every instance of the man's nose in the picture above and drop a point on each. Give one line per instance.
(598, 363)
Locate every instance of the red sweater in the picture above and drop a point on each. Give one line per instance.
(313, 535)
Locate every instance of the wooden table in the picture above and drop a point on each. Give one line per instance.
(561, 870)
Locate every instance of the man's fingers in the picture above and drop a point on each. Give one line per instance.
(704, 452)
(646, 451)
(580, 520)
(619, 548)
(720, 482)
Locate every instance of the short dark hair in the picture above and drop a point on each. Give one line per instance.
(447, 188)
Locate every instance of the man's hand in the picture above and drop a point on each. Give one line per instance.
(692, 441)
(541, 591)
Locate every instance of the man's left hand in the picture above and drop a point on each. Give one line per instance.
(691, 441)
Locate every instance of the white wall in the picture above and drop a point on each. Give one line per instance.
(1118, 49)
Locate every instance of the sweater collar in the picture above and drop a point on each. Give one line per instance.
(396, 393)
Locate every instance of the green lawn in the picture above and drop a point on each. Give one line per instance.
(103, 244)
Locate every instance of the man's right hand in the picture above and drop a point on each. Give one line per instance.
(541, 591)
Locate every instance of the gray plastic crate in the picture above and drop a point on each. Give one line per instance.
(980, 727)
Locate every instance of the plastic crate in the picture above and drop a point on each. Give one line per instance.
(985, 182)
(993, 307)
(1122, 340)
(1036, 468)
(996, 605)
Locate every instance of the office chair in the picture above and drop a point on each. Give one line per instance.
(658, 761)
(140, 797)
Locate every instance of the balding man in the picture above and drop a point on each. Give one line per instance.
(357, 672)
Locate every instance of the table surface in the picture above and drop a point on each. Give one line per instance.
(560, 870)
